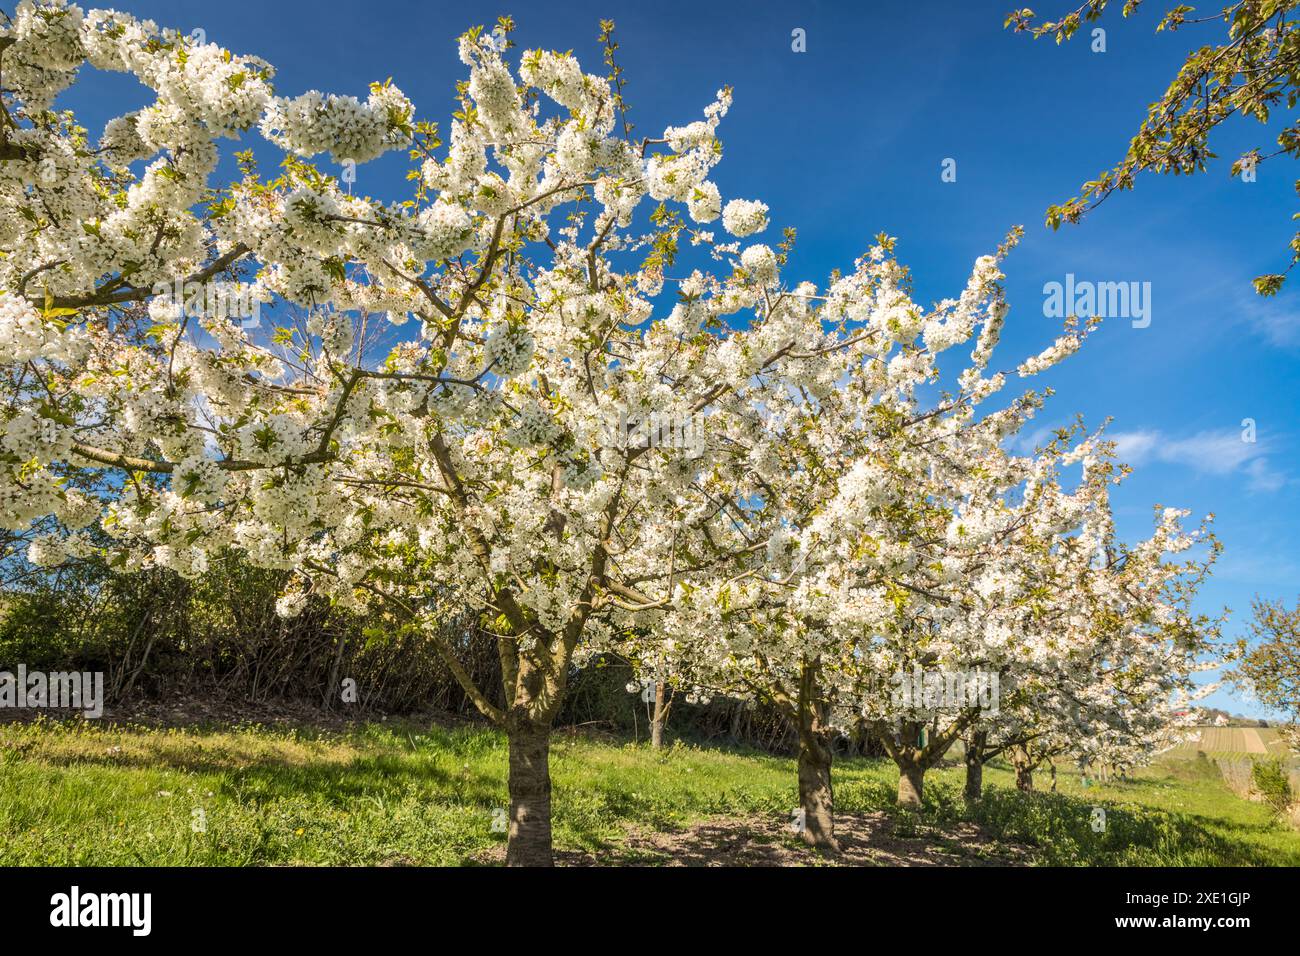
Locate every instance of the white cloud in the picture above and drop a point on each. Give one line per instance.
(1263, 477)
(1214, 453)
(1274, 318)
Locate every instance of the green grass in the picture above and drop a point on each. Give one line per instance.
(1173, 813)
(88, 794)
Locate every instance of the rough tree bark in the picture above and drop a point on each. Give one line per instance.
(975, 766)
(816, 797)
(530, 795)
(1024, 766)
(660, 716)
(911, 782)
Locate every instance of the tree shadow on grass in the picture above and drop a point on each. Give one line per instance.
(333, 780)
(761, 840)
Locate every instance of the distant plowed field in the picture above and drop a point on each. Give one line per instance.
(1234, 751)
(1232, 742)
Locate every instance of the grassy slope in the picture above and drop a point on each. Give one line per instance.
(85, 794)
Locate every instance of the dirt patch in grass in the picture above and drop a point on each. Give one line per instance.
(866, 839)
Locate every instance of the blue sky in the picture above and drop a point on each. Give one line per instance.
(847, 140)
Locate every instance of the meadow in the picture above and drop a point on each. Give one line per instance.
(384, 794)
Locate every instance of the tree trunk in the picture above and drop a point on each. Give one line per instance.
(530, 797)
(974, 777)
(737, 718)
(815, 795)
(975, 767)
(1024, 765)
(659, 718)
(910, 780)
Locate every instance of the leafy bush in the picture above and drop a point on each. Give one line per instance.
(1272, 784)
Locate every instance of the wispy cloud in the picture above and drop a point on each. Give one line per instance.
(1209, 452)
(1263, 477)
(1266, 569)
(1276, 319)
